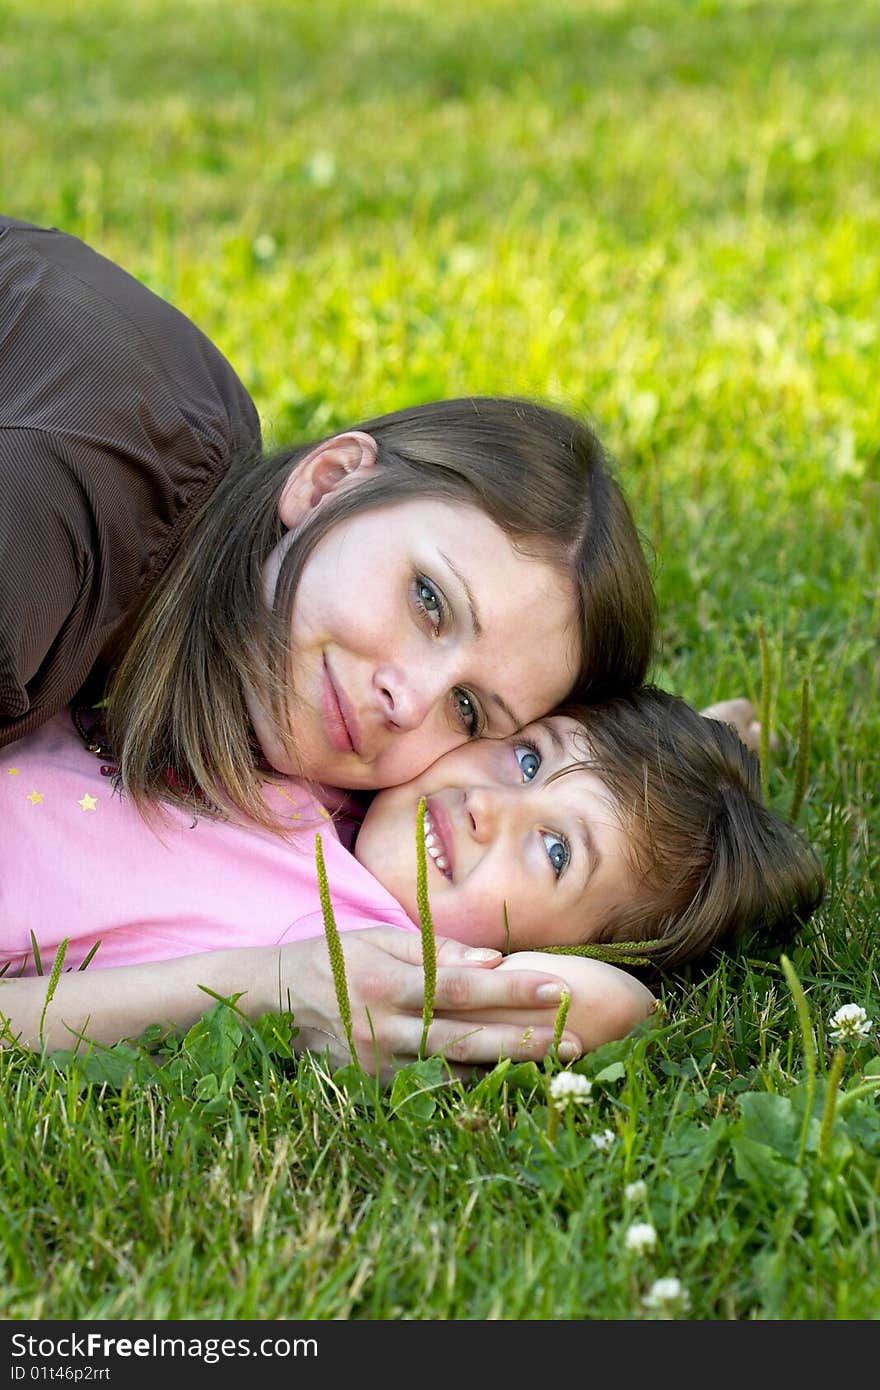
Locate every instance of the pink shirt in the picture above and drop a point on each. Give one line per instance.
(77, 861)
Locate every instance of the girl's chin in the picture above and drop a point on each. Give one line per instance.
(467, 933)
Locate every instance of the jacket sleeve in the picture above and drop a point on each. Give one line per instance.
(117, 419)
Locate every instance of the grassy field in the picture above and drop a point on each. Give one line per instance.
(665, 215)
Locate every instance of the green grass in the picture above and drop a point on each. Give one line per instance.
(665, 215)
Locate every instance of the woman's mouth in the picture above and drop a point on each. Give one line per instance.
(339, 721)
(438, 840)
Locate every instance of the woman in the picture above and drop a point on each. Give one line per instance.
(118, 420)
(348, 610)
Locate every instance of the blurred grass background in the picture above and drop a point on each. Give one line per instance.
(665, 215)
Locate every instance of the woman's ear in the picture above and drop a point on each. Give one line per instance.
(346, 458)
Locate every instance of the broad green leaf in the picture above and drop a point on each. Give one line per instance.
(413, 1087)
(207, 1087)
(771, 1120)
(358, 1085)
(773, 1178)
(616, 1071)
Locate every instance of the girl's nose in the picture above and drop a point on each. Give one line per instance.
(496, 808)
(485, 806)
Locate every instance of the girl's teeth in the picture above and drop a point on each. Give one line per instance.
(433, 847)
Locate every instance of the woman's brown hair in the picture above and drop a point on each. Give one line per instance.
(176, 701)
(712, 864)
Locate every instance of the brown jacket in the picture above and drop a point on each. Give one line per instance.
(117, 418)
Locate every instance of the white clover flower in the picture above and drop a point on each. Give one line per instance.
(264, 247)
(604, 1140)
(321, 168)
(636, 1191)
(641, 1237)
(850, 1021)
(667, 1295)
(570, 1088)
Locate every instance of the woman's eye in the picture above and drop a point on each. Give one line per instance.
(557, 851)
(467, 712)
(429, 602)
(529, 761)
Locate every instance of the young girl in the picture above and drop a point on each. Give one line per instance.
(636, 820)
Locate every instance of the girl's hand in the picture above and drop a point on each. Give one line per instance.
(605, 1002)
(741, 713)
(480, 1013)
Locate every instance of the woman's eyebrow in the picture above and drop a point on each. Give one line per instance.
(505, 709)
(469, 594)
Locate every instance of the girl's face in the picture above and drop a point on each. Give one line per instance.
(499, 831)
(416, 627)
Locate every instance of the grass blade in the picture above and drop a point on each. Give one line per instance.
(803, 754)
(38, 964)
(766, 691)
(802, 1009)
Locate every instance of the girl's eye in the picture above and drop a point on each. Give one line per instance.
(557, 851)
(429, 602)
(529, 760)
(467, 712)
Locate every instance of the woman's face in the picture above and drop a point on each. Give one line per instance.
(417, 626)
(500, 831)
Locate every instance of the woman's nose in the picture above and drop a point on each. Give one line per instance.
(406, 697)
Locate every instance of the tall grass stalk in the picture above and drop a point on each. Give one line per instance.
(559, 1025)
(334, 948)
(802, 759)
(54, 977)
(426, 926)
(612, 952)
(766, 702)
(835, 1071)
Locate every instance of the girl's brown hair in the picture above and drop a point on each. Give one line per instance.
(176, 700)
(712, 863)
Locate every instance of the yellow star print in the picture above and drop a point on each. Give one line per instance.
(35, 798)
(88, 803)
(13, 771)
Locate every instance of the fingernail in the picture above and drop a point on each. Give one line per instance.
(568, 1051)
(480, 953)
(549, 994)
